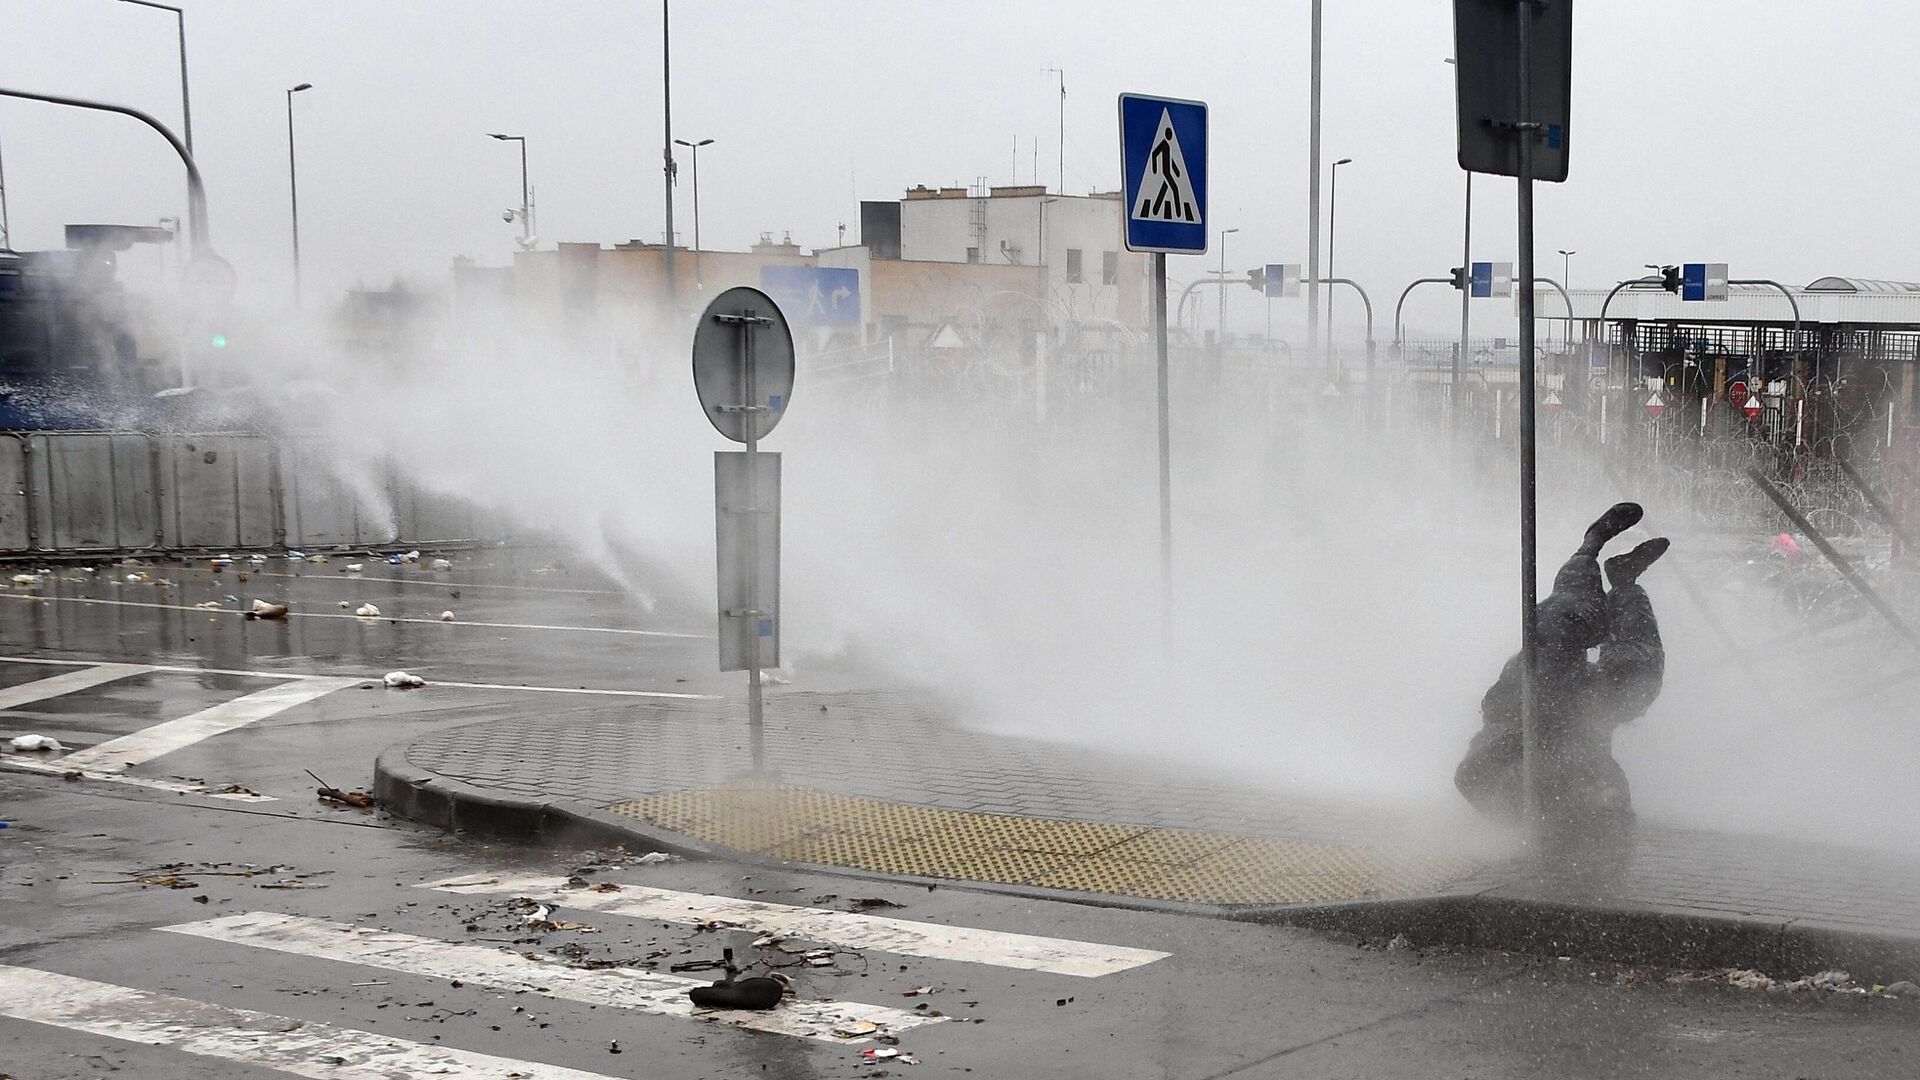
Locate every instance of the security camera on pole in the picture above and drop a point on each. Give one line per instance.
(743, 372)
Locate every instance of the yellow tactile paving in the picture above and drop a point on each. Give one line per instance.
(1115, 858)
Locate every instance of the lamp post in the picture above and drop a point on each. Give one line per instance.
(526, 224)
(1566, 281)
(669, 171)
(1333, 209)
(186, 108)
(293, 189)
(1222, 344)
(698, 281)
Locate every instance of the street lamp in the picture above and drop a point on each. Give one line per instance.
(186, 109)
(293, 189)
(526, 223)
(1333, 209)
(1224, 233)
(1566, 282)
(698, 281)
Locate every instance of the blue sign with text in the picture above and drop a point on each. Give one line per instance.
(1163, 174)
(814, 295)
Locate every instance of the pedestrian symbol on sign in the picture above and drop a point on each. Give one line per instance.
(1166, 191)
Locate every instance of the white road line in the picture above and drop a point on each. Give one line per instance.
(299, 1047)
(358, 618)
(180, 668)
(12, 697)
(58, 768)
(442, 584)
(507, 971)
(1058, 955)
(116, 755)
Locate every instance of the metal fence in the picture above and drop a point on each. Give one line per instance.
(123, 492)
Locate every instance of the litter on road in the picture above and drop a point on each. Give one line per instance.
(263, 609)
(401, 680)
(367, 611)
(35, 743)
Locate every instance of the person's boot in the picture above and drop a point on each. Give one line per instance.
(1618, 519)
(1625, 569)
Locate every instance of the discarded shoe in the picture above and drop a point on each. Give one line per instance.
(761, 992)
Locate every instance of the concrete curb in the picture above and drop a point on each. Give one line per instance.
(1487, 919)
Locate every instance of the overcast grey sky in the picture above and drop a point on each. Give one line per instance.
(1775, 135)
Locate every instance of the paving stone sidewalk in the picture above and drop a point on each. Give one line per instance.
(903, 748)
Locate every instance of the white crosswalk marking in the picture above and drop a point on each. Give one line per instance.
(500, 969)
(300, 1047)
(1060, 956)
(12, 697)
(115, 755)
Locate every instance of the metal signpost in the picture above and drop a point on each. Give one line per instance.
(743, 372)
(1163, 177)
(1513, 84)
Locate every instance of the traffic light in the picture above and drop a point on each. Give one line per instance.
(1462, 277)
(1670, 278)
(1257, 279)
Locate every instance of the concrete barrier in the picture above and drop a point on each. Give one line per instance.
(123, 492)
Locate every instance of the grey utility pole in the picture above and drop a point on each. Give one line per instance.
(526, 193)
(1313, 189)
(698, 281)
(1333, 209)
(1062, 189)
(666, 144)
(293, 189)
(1221, 346)
(186, 105)
(6, 226)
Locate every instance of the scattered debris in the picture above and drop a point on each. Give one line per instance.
(1749, 979)
(345, 604)
(211, 605)
(319, 560)
(367, 611)
(235, 789)
(606, 886)
(26, 580)
(856, 1029)
(263, 609)
(918, 991)
(359, 800)
(441, 564)
(652, 857)
(446, 616)
(35, 743)
(870, 903)
(296, 556)
(400, 680)
(1901, 989)
(1399, 943)
(354, 567)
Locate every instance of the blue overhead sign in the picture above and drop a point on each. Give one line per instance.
(1703, 281)
(1163, 174)
(814, 295)
(1490, 279)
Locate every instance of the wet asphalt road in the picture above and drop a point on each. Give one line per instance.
(1227, 999)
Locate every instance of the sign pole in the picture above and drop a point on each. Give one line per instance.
(1166, 449)
(1529, 583)
(750, 380)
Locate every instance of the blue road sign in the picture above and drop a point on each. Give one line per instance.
(1163, 173)
(814, 295)
(1693, 281)
(1483, 279)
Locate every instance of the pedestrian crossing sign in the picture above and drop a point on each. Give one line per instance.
(1163, 162)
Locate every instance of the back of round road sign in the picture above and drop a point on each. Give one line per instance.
(742, 327)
